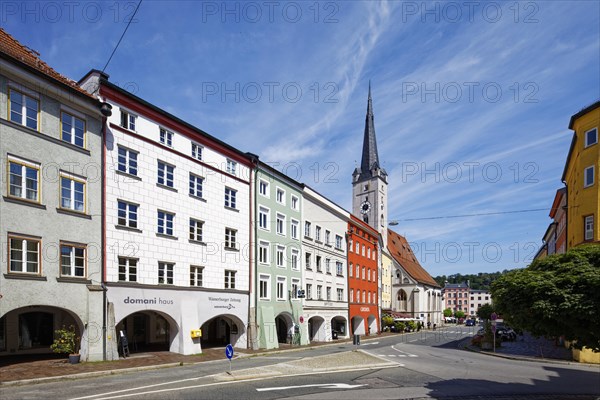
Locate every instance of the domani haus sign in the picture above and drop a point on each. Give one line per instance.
(220, 316)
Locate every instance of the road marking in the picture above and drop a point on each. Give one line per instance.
(366, 344)
(404, 353)
(322, 386)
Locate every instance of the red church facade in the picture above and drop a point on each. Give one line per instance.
(363, 278)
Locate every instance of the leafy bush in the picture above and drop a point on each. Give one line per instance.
(66, 341)
(400, 326)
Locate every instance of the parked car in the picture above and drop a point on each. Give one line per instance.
(505, 333)
(470, 322)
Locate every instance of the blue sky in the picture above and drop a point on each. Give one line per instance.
(472, 100)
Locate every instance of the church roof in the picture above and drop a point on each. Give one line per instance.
(401, 252)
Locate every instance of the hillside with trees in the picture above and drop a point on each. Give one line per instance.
(480, 281)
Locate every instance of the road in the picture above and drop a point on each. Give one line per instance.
(419, 365)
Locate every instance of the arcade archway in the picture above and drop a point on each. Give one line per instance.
(147, 331)
(221, 331)
(316, 329)
(284, 326)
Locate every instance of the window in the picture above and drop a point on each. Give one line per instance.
(351, 295)
(319, 292)
(357, 271)
(263, 287)
(231, 167)
(357, 248)
(295, 203)
(363, 250)
(166, 137)
(281, 284)
(339, 267)
(165, 174)
(307, 228)
(280, 196)
(364, 273)
(230, 236)
(294, 259)
(591, 137)
(340, 294)
(280, 225)
(127, 161)
(294, 229)
(197, 151)
(24, 110)
(588, 227)
(319, 269)
(327, 237)
(127, 269)
(318, 233)
(328, 293)
(165, 223)
(263, 188)
(128, 120)
(127, 214)
(280, 256)
(588, 179)
(72, 260)
(196, 230)
(230, 197)
(263, 252)
(358, 296)
(263, 218)
(72, 193)
(23, 180)
(24, 255)
(369, 253)
(229, 279)
(196, 275)
(338, 242)
(369, 297)
(350, 270)
(195, 185)
(328, 265)
(165, 273)
(295, 287)
(73, 129)
(369, 275)
(309, 291)
(307, 261)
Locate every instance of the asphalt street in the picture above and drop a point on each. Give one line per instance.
(420, 365)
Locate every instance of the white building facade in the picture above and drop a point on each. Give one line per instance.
(177, 229)
(324, 266)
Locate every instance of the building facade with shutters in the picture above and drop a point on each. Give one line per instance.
(51, 206)
(177, 229)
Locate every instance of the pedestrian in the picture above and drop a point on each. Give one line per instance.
(434, 325)
(428, 324)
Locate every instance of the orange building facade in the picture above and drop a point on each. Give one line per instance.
(363, 278)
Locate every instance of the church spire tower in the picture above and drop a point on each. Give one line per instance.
(369, 181)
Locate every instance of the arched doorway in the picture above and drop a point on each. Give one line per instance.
(284, 326)
(358, 325)
(372, 324)
(147, 331)
(221, 331)
(402, 299)
(339, 327)
(316, 329)
(30, 330)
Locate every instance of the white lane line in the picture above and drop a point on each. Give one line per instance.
(320, 385)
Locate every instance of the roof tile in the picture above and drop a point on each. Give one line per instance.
(403, 255)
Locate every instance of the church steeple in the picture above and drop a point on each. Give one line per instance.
(369, 166)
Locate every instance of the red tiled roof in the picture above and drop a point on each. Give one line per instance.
(12, 48)
(403, 254)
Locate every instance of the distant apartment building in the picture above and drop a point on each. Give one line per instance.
(324, 268)
(51, 206)
(456, 297)
(177, 228)
(278, 258)
(477, 299)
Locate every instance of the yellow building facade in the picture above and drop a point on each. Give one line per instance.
(386, 281)
(581, 178)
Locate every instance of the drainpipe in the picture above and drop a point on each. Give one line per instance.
(253, 248)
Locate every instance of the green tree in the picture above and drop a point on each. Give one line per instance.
(554, 296)
(485, 311)
(448, 312)
(387, 320)
(459, 314)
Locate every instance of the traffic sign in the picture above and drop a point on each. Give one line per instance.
(301, 319)
(229, 351)
(494, 316)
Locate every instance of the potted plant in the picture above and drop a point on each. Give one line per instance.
(67, 342)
